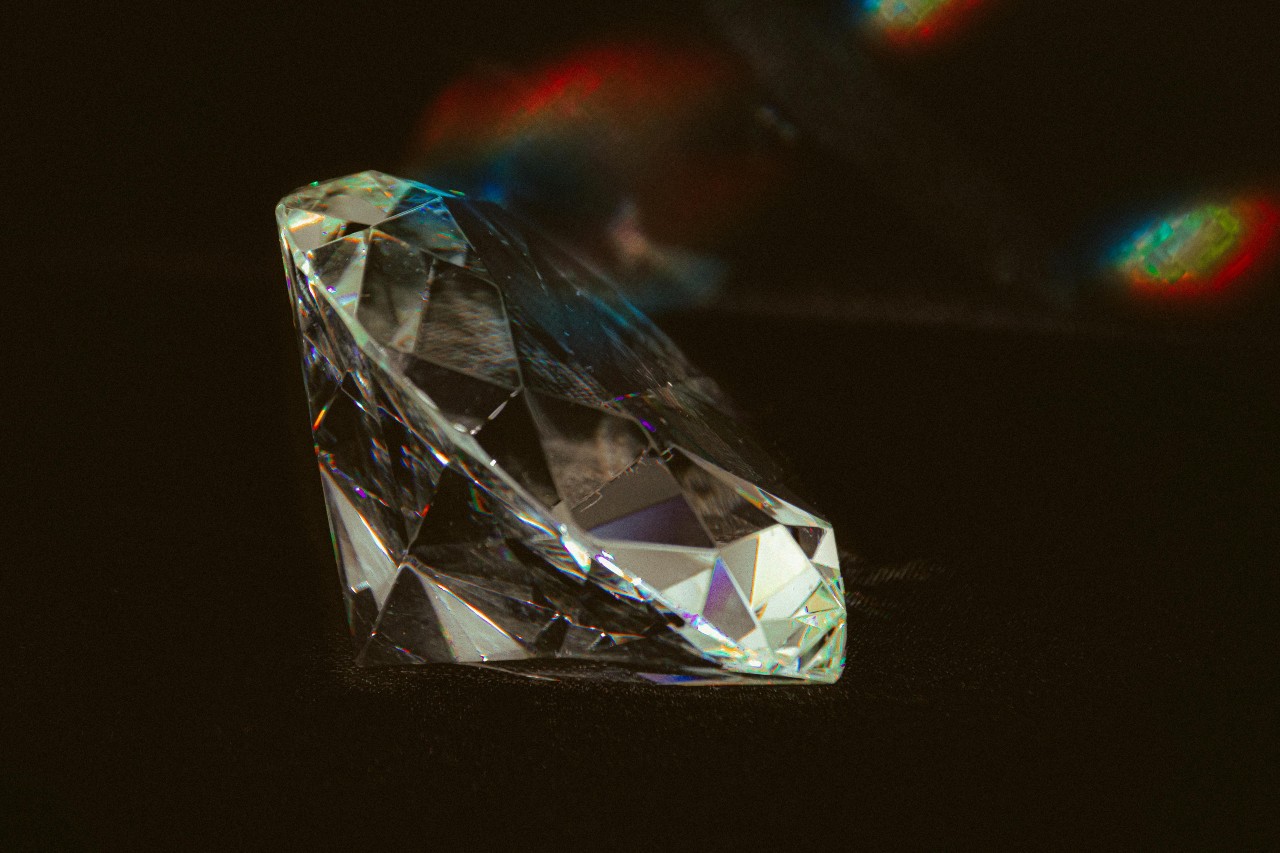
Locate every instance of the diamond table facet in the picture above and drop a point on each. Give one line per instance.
(522, 472)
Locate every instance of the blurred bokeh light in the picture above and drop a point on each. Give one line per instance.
(754, 156)
(916, 23)
(1199, 250)
(641, 155)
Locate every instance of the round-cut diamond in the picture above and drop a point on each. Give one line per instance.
(521, 471)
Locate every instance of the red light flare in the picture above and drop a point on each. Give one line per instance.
(619, 88)
(1263, 218)
(1256, 250)
(649, 108)
(942, 25)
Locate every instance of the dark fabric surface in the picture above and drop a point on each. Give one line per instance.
(1062, 613)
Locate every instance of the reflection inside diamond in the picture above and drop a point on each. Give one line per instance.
(521, 470)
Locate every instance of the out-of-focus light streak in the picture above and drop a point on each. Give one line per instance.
(915, 23)
(574, 138)
(606, 90)
(1199, 250)
(639, 154)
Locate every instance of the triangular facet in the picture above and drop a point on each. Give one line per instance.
(724, 512)
(585, 447)
(365, 199)
(472, 636)
(777, 562)
(808, 538)
(467, 401)
(459, 513)
(726, 607)
(643, 504)
(530, 624)
(340, 266)
(394, 291)
(740, 559)
(431, 229)
(412, 462)
(350, 449)
(311, 230)
(512, 440)
(321, 378)
(364, 558)
(660, 567)
(464, 327)
(408, 630)
(542, 370)
(362, 614)
(781, 510)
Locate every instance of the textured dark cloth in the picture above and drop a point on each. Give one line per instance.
(1062, 614)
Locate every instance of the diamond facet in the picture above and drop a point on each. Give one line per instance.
(521, 471)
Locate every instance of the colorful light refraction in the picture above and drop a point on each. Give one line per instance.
(641, 155)
(602, 108)
(916, 22)
(1201, 249)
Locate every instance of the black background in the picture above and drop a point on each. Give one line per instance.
(1063, 604)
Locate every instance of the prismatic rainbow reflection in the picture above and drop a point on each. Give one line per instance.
(642, 155)
(1199, 249)
(907, 23)
(657, 123)
(637, 83)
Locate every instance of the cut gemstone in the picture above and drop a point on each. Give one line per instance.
(522, 472)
